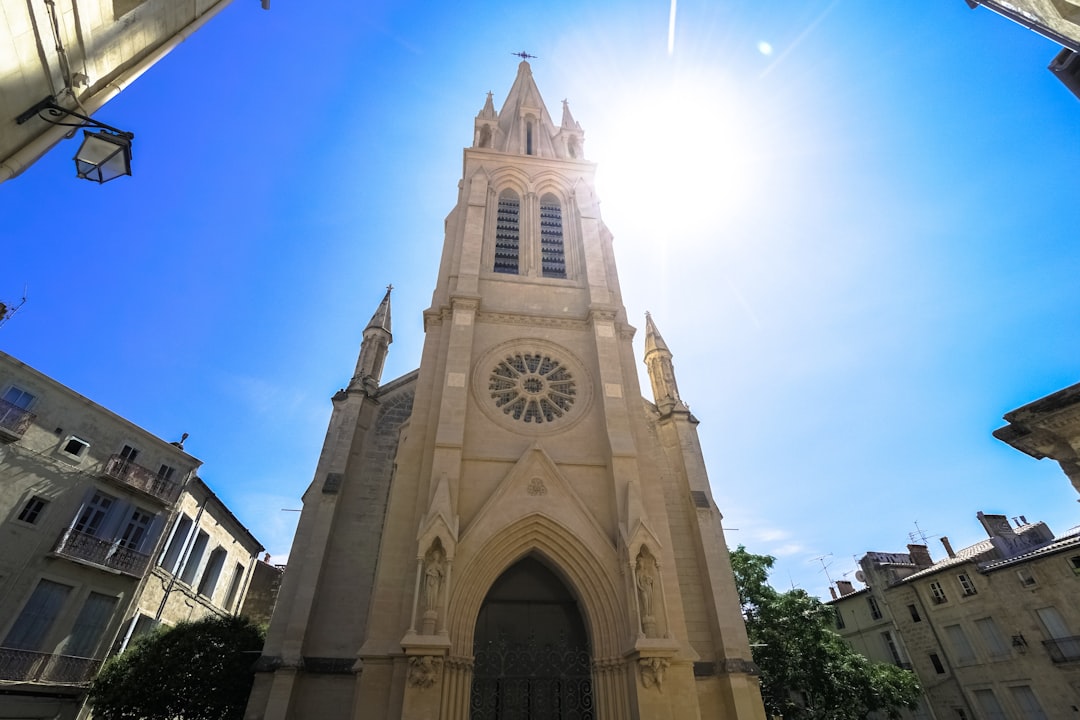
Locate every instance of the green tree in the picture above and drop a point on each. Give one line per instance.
(194, 671)
(807, 671)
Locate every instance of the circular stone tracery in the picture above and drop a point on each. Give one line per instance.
(532, 387)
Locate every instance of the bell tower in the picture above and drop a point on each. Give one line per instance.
(512, 531)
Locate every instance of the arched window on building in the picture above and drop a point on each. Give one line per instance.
(529, 137)
(552, 252)
(507, 233)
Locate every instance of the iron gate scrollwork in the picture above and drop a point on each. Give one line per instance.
(530, 681)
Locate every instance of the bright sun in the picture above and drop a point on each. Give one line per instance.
(681, 155)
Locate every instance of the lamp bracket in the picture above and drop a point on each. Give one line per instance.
(49, 106)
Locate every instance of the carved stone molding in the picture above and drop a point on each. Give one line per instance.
(740, 665)
(537, 487)
(424, 670)
(456, 662)
(652, 672)
(532, 320)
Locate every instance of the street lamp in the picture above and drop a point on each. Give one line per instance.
(104, 155)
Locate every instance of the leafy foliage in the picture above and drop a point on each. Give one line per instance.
(194, 671)
(807, 671)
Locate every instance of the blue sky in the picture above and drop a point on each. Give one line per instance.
(854, 223)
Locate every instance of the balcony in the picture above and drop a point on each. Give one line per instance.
(106, 553)
(1064, 649)
(36, 667)
(13, 421)
(121, 470)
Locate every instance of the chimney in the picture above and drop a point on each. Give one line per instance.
(996, 525)
(948, 546)
(832, 591)
(1023, 520)
(845, 587)
(920, 555)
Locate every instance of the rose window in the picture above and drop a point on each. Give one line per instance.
(532, 388)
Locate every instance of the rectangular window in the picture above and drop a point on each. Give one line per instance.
(234, 586)
(988, 703)
(212, 573)
(875, 611)
(19, 398)
(1027, 578)
(966, 586)
(179, 538)
(936, 662)
(1074, 563)
(890, 647)
(75, 447)
(992, 637)
(37, 616)
(129, 453)
(92, 515)
(1025, 699)
(90, 625)
(839, 618)
(914, 613)
(938, 593)
(165, 473)
(194, 559)
(963, 653)
(135, 530)
(33, 509)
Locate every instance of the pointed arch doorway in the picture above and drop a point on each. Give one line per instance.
(531, 649)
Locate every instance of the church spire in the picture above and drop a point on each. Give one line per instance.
(661, 370)
(374, 347)
(525, 128)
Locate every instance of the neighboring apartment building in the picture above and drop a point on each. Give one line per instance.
(1048, 428)
(992, 630)
(89, 502)
(205, 565)
(82, 52)
(1058, 20)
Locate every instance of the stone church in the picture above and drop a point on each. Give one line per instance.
(511, 531)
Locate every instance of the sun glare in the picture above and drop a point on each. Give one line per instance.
(693, 158)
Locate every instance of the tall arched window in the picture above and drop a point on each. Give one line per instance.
(529, 137)
(552, 253)
(507, 233)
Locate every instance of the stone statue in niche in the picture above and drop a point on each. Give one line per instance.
(424, 670)
(652, 672)
(434, 572)
(645, 571)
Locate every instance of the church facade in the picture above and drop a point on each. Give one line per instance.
(511, 531)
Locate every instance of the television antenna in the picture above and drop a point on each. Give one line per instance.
(7, 311)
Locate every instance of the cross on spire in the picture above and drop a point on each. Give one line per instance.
(523, 55)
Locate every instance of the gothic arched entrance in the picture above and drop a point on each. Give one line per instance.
(531, 650)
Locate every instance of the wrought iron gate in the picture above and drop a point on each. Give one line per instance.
(530, 681)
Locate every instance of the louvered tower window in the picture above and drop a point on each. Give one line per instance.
(552, 253)
(507, 233)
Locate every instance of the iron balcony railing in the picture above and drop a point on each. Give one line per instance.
(1064, 649)
(14, 420)
(134, 475)
(37, 667)
(110, 554)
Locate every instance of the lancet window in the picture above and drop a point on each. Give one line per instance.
(508, 233)
(552, 251)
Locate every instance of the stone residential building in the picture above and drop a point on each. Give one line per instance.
(511, 531)
(82, 53)
(992, 630)
(205, 566)
(1048, 428)
(92, 511)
